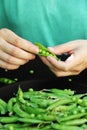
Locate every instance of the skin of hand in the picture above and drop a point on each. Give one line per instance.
(14, 50)
(74, 64)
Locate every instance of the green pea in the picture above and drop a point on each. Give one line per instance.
(31, 71)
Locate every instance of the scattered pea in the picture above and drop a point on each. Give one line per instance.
(31, 71)
(70, 80)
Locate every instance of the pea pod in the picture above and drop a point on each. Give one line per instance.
(8, 119)
(13, 126)
(7, 80)
(11, 103)
(3, 107)
(33, 110)
(19, 111)
(43, 51)
(56, 126)
(20, 96)
(58, 103)
(76, 122)
(71, 117)
(29, 120)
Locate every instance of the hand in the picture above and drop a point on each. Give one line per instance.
(14, 50)
(74, 64)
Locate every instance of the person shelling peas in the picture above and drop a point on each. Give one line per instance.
(59, 25)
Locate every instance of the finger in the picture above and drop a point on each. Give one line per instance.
(15, 51)
(60, 73)
(63, 74)
(57, 64)
(45, 61)
(10, 59)
(64, 48)
(14, 39)
(71, 63)
(8, 66)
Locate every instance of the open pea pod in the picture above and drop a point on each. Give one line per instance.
(43, 51)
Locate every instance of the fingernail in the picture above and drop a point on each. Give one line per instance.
(49, 57)
(36, 49)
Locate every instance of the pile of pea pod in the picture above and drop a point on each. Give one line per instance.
(47, 109)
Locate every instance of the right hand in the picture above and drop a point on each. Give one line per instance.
(14, 50)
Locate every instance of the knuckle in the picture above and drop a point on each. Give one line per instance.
(4, 30)
(9, 59)
(67, 69)
(17, 41)
(14, 51)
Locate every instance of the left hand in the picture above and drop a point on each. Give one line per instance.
(74, 64)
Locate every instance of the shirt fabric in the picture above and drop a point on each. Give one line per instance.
(50, 22)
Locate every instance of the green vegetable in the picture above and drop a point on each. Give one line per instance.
(7, 80)
(43, 51)
(47, 109)
(31, 71)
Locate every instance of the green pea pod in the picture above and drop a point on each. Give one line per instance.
(29, 120)
(3, 106)
(2, 110)
(11, 103)
(76, 122)
(46, 117)
(7, 80)
(43, 51)
(13, 126)
(72, 117)
(19, 111)
(33, 110)
(60, 91)
(8, 119)
(58, 103)
(56, 126)
(20, 95)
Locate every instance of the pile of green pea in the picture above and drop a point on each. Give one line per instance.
(47, 109)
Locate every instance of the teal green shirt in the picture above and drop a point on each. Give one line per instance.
(49, 22)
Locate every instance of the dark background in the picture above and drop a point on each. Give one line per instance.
(41, 71)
